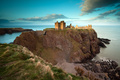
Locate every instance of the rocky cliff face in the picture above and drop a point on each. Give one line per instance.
(57, 45)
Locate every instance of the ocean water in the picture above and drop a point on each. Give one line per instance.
(112, 51)
(8, 38)
(111, 32)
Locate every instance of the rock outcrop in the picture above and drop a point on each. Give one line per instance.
(12, 30)
(106, 41)
(55, 45)
(100, 70)
(94, 70)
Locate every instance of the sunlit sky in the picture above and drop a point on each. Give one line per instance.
(46, 12)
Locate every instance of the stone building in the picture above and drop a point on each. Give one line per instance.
(60, 26)
(70, 26)
(84, 27)
(89, 26)
(57, 25)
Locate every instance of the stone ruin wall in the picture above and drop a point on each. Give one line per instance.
(62, 24)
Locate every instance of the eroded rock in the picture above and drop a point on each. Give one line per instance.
(54, 45)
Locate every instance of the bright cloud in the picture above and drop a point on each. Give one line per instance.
(46, 18)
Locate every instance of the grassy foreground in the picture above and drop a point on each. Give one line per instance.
(18, 63)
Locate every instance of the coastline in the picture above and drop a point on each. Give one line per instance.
(88, 64)
(101, 52)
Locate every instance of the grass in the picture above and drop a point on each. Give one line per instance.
(49, 29)
(18, 63)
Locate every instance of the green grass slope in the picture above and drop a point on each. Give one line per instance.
(18, 63)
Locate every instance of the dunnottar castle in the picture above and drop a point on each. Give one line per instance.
(62, 26)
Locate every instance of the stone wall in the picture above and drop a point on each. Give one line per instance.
(84, 27)
(62, 26)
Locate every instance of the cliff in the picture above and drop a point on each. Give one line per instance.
(18, 63)
(54, 46)
(12, 30)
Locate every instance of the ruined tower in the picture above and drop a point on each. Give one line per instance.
(70, 25)
(62, 25)
(57, 25)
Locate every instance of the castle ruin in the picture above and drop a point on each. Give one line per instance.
(62, 26)
(84, 27)
(70, 26)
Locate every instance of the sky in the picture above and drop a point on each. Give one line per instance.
(47, 12)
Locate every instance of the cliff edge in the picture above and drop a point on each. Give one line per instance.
(72, 45)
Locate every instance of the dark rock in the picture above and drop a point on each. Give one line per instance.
(106, 70)
(114, 64)
(118, 70)
(10, 32)
(45, 32)
(101, 44)
(106, 41)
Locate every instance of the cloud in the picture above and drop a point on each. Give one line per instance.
(118, 6)
(4, 21)
(90, 6)
(46, 18)
(103, 15)
(117, 14)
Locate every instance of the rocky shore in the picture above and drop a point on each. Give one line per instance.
(94, 70)
(103, 41)
(12, 30)
(106, 41)
(101, 70)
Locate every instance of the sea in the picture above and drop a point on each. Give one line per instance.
(111, 32)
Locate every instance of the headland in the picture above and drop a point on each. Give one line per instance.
(69, 48)
(12, 30)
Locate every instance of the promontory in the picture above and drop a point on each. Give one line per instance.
(12, 30)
